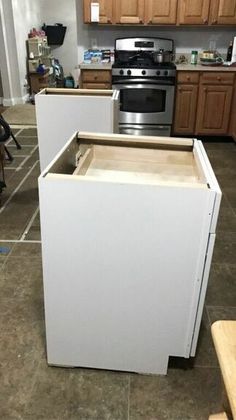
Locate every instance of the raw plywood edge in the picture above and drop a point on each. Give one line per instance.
(84, 162)
(78, 92)
(140, 141)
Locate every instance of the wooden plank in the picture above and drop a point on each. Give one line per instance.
(170, 157)
(84, 162)
(219, 416)
(224, 337)
(77, 92)
(138, 141)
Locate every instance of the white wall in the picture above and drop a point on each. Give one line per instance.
(9, 65)
(27, 14)
(61, 11)
(185, 39)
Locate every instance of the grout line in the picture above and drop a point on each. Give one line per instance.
(208, 316)
(128, 397)
(16, 156)
(17, 241)
(23, 127)
(27, 158)
(26, 231)
(18, 187)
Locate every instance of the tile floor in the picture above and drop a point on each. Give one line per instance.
(31, 390)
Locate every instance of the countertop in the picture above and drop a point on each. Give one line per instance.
(95, 66)
(199, 67)
(180, 67)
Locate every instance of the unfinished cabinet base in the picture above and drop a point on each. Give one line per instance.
(126, 225)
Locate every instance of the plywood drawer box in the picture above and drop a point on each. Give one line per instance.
(128, 228)
(62, 112)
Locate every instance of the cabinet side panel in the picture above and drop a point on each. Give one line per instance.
(121, 265)
(58, 117)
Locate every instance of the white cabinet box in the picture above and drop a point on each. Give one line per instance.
(128, 228)
(62, 112)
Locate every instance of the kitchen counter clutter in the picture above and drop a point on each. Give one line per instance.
(200, 67)
(62, 112)
(128, 229)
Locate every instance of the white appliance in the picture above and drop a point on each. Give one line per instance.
(128, 229)
(61, 112)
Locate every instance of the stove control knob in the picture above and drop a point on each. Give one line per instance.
(143, 72)
(121, 72)
(158, 72)
(166, 72)
(129, 72)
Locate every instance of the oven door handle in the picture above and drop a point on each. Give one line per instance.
(142, 85)
(143, 128)
(148, 82)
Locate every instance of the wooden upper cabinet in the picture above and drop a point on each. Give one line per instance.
(223, 12)
(160, 12)
(105, 11)
(194, 12)
(129, 11)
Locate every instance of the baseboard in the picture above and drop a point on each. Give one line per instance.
(16, 101)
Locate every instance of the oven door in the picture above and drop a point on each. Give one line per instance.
(144, 103)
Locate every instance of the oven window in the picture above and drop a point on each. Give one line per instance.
(142, 100)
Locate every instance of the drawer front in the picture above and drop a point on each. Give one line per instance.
(188, 77)
(217, 78)
(96, 86)
(96, 76)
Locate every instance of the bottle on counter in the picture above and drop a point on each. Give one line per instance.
(229, 52)
(194, 56)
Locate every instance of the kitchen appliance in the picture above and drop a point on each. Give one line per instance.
(128, 229)
(145, 76)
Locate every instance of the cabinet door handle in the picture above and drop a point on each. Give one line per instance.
(180, 89)
(140, 20)
(214, 21)
(219, 78)
(150, 21)
(188, 77)
(205, 21)
(205, 89)
(109, 20)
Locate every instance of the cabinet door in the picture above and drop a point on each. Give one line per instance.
(185, 109)
(194, 12)
(129, 11)
(223, 12)
(160, 11)
(214, 109)
(232, 127)
(105, 11)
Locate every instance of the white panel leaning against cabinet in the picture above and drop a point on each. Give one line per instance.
(62, 112)
(126, 225)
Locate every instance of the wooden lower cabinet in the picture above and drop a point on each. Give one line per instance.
(204, 104)
(185, 109)
(95, 79)
(214, 107)
(232, 126)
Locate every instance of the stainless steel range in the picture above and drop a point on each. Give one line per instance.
(145, 76)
